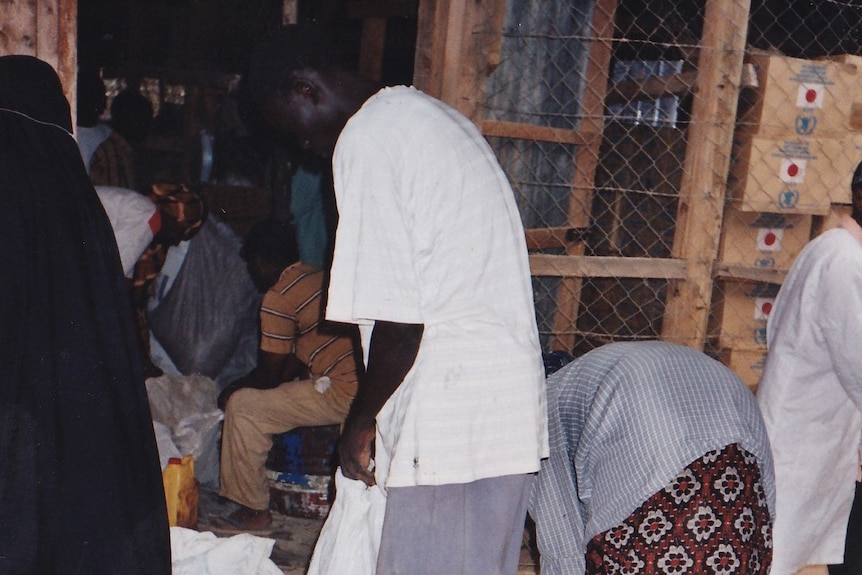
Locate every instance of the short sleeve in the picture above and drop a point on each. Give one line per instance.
(374, 270)
(278, 326)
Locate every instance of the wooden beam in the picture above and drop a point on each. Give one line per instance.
(549, 238)
(360, 10)
(371, 48)
(18, 27)
(606, 267)
(705, 169)
(47, 30)
(457, 48)
(501, 129)
(454, 54)
(651, 88)
(586, 161)
(67, 51)
(723, 271)
(430, 39)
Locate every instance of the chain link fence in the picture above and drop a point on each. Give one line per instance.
(670, 160)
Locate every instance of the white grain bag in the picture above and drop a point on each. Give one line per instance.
(350, 537)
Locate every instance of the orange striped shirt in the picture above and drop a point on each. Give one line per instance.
(291, 322)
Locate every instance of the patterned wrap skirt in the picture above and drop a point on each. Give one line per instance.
(712, 518)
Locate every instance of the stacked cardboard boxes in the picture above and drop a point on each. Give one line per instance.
(741, 312)
(795, 127)
(796, 145)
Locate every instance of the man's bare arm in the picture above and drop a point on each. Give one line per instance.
(392, 352)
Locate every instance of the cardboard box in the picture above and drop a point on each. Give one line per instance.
(808, 98)
(746, 363)
(763, 240)
(787, 175)
(740, 313)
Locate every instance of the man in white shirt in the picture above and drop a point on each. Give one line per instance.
(811, 396)
(430, 261)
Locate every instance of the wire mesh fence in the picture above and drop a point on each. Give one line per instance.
(671, 159)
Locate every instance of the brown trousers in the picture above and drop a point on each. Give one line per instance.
(253, 416)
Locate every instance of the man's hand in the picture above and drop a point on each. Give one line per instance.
(271, 371)
(355, 448)
(391, 354)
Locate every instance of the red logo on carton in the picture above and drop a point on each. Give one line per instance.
(763, 307)
(793, 170)
(769, 239)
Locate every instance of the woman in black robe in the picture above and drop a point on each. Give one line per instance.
(80, 482)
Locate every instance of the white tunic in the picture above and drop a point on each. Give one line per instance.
(429, 233)
(811, 398)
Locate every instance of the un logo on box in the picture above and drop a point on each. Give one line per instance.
(805, 125)
(788, 199)
(759, 335)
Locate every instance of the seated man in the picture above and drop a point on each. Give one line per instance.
(659, 463)
(306, 373)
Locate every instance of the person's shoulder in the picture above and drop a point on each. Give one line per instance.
(833, 256)
(401, 101)
(297, 273)
(837, 241)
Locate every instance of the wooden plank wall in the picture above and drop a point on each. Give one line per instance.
(47, 29)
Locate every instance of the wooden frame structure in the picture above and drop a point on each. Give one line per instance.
(458, 47)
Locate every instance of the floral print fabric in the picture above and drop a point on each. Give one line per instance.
(712, 518)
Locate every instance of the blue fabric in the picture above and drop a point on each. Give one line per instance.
(309, 216)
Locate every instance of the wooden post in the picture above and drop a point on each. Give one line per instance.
(457, 48)
(47, 29)
(705, 169)
(586, 161)
(371, 47)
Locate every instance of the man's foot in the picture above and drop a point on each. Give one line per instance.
(245, 520)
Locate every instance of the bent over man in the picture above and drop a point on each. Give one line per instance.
(431, 262)
(659, 464)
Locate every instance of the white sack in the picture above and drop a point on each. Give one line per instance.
(129, 213)
(186, 404)
(350, 538)
(194, 553)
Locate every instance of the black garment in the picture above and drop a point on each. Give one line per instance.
(853, 543)
(80, 483)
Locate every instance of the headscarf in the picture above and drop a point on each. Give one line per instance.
(182, 204)
(186, 209)
(80, 482)
(624, 420)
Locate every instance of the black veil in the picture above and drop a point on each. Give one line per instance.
(80, 482)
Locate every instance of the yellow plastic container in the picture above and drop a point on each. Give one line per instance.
(181, 492)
